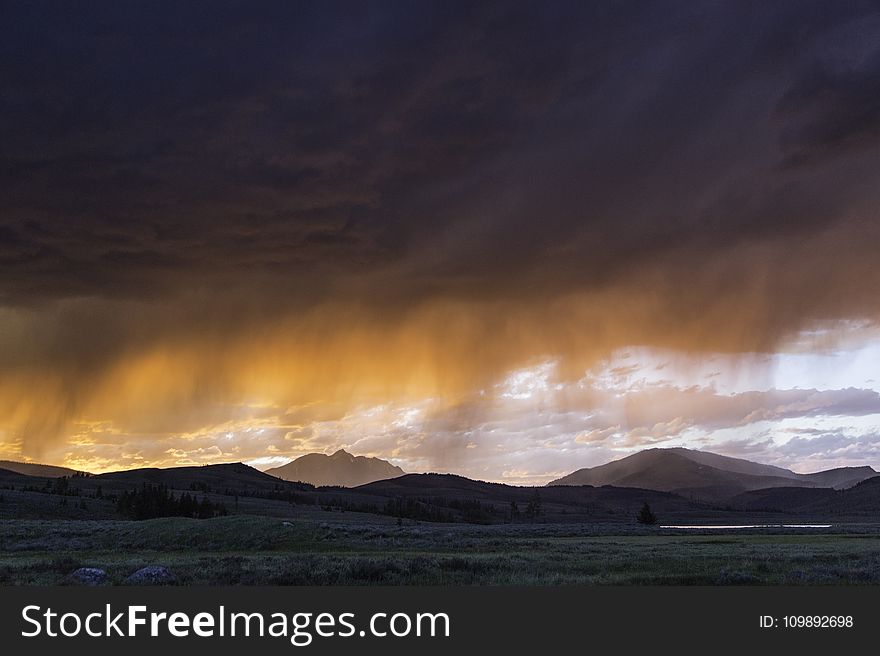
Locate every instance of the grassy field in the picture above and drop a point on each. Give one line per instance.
(355, 549)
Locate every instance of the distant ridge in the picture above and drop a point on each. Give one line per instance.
(706, 475)
(232, 475)
(862, 497)
(33, 469)
(341, 468)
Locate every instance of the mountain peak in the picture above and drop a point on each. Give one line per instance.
(340, 468)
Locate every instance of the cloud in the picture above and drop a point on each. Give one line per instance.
(832, 109)
(342, 206)
(550, 429)
(834, 447)
(677, 409)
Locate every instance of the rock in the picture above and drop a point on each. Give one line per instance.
(89, 576)
(151, 575)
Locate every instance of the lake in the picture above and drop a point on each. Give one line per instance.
(739, 526)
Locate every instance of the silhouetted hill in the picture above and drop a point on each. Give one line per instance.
(453, 486)
(435, 483)
(9, 477)
(468, 498)
(840, 478)
(341, 469)
(705, 475)
(863, 498)
(781, 499)
(232, 476)
(32, 469)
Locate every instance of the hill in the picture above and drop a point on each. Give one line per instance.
(861, 499)
(706, 475)
(461, 498)
(341, 469)
(840, 478)
(232, 477)
(11, 478)
(33, 469)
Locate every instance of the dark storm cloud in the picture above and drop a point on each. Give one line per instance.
(139, 143)
(477, 148)
(833, 109)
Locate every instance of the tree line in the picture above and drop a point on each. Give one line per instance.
(151, 501)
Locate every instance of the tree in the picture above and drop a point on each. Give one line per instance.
(533, 508)
(61, 485)
(645, 515)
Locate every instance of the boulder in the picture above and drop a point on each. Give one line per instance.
(151, 575)
(89, 576)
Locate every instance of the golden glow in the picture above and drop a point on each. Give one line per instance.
(171, 395)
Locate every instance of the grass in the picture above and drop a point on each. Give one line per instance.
(354, 549)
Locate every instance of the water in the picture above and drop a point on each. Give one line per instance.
(729, 527)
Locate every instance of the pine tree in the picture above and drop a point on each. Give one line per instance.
(645, 515)
(533, 508)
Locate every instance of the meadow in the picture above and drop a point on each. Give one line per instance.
(356, 549)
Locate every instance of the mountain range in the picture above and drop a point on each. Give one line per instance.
(341, 468)
(696, 476)
(681, 485)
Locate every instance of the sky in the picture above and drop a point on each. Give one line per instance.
(506, 240)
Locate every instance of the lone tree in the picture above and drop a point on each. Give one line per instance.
(533, 508)
(514, 510)
(645, 515)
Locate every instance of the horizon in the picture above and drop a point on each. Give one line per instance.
(505, 241)
(266, 470)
